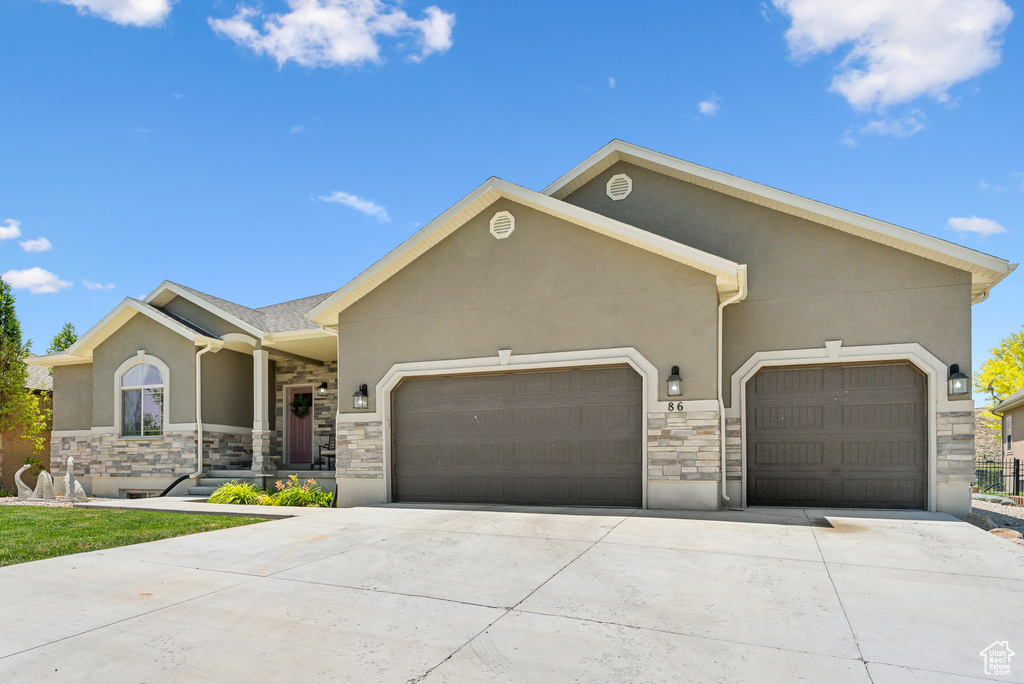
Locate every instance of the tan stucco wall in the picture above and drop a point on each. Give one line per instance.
(72, 397)
(227, 388)
(197, 315)
(157, 340)
(551, 286)
(808, 283)
(15, 450)
(1017, 434)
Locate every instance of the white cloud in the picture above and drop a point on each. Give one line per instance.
(901, 127)
(898, 50)
(37, 245)
(322, 33)
(35, 280)
(89, 285)
(10, 229)
(296, 129)
(365, 206)
(976, 226)
(125, 12)
(710, 106)
(611, 82)
(985, 186)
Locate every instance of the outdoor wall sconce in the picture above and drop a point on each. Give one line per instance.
(958, 382)
(675, 383)
(360, 399)
(321, 391)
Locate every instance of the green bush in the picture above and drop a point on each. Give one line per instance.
(289, 493)
(245, 493)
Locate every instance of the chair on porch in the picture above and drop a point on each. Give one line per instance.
(326, 455)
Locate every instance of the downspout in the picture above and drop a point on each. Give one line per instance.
(742, 278)
(199, 408)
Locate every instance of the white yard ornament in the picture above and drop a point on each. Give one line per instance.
(44, 487)
(23, 491)
(72, 488)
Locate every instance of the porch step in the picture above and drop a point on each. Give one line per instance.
(231, 474)
(218, 481)
(201, 491)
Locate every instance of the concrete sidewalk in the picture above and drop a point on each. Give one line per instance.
(452, 594)
(198, 506)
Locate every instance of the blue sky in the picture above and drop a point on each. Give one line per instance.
(197, 141)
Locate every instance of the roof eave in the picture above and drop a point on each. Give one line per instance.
(986, 270)
(726, 273)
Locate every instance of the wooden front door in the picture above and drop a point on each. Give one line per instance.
(300, 428)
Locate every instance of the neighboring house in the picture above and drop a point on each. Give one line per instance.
(644, 332)
(17, 450)
(1011, 411)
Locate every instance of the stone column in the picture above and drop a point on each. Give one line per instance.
(263, 462)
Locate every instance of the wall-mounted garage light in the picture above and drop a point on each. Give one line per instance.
(958, 382)
(675, 383)
(321, 391)
(360, 399)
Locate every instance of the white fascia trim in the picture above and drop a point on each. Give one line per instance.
(287, 336)
(502, 362)
(58, 359)
(1008, 405)
(83, 348)
(834, 352)
(168, 286)
(325, 313)
(987, 270)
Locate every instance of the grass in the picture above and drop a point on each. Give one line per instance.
(29, 533)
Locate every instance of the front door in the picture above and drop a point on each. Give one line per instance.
(299, 411)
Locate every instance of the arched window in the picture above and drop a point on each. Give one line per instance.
(143, 388)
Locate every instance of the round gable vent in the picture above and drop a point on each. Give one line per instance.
(619, 186)
(502, 224)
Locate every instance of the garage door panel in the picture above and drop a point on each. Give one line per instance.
(860, 440)
(794, 381)
(893, 415)
(789, 417)
(789, 453)
(563, 437)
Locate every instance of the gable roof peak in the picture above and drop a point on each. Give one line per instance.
(986, 270)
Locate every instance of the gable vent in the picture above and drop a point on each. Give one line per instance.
(502, 225)
(619, 186)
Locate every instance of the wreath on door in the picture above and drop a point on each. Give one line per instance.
(301, 404)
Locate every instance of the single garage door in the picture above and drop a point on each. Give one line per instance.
(843, 435)
(559, 437)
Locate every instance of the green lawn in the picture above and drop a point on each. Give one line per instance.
(29, 533)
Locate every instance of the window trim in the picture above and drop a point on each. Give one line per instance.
(1008, 433)
(141, 357)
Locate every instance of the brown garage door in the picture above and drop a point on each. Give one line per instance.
(560, 437)
(851, 435)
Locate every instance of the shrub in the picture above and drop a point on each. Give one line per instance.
(292, 493)
(245, 493)
(289, 493)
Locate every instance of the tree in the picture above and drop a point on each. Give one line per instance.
(21, 416)
(64, 339)
(1004, 371)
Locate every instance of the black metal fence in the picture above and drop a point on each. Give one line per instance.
(999, 477)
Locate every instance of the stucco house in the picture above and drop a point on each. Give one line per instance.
(1011, 410)
(643, 332)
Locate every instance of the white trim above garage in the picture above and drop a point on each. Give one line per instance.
(986, 270)
(729, 276)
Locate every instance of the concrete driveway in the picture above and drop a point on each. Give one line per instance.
(449, 594)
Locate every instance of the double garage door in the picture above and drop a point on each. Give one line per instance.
(843, 435)
(556, 437)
